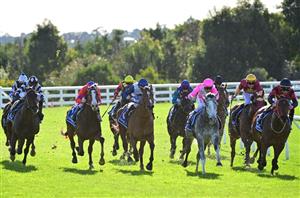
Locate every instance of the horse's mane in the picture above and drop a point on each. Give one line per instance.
(210, 95)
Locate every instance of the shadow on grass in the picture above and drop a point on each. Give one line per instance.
(179, 162)
(246, 169)
(212, 156)
(17, 166)
(282, 177)
(121, 162)
(199, 174)
(80, 172)
(135, 172)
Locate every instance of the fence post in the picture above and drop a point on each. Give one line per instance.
(1, 98)
(287, 151)
(61, 97)
(170, 94)
(46, 98)
(107, 96)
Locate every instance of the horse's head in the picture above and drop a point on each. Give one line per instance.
(258, 101)
(282, 108)
(93, 98)
(187, 105)
(147, 97)
(31, 101)
(211, 105)
(223, 94)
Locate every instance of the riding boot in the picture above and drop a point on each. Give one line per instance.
(188, 126)
(173, 112)
(234, 114)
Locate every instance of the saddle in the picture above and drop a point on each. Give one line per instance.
(125, 114)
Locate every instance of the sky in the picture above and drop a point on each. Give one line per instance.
(17, 16)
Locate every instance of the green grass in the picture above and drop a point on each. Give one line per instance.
(51, 174)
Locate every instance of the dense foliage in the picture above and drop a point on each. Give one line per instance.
(246, 38)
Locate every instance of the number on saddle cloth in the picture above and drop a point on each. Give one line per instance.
(14, 109)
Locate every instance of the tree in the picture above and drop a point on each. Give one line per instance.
(46, 51)
(291, 11)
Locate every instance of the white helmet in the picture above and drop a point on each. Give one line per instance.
(23, 78)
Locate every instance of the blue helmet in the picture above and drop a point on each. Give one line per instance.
(142, 83)
(185, 84)
(90, 83)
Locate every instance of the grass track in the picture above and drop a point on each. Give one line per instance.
(51, 173)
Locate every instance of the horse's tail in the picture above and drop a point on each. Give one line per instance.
(65, 134)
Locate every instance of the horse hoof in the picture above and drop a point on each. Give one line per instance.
(275, 167)
(114, 152)
(136, 158)
(24, 162)
(272, 171)
(252, 160)
(219, 164)
(74, 160)
(19, 151)
(12, 157)
(129, 159)
(81, 153)
(149, 166)
(117, 147)
(91, 167)
(171, 155)
(260, 167)
(142, 168)
(184, 164)
(32, 153)
(7, 143)
(101, 162)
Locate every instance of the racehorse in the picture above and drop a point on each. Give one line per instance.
(206, 129)
(276, 128)
(88, 128)
(25, 126)
(243, 129)
(141, 128)
(113, 124)
(176, 124)
(5, 125)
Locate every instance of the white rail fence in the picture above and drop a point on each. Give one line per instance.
(65, 95)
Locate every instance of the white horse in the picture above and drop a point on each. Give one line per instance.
(206, 129)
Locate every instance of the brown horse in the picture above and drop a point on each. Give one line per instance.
(242, 130)
(25, 126)
(276, 128)
(5, 124)
(88, 128)
(222, 112)
(113, 124)
(177, 124)
(141, 128)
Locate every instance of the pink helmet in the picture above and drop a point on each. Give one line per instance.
(208, 82)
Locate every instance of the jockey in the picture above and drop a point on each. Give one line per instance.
(180, 93)
(250, 85)
(123, 86)
(18, 88)
(219, 81)
(207, 86)
(33, 82)
(284, 90)
(81, 99)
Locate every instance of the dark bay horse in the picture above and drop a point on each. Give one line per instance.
(25, 126)
(5, 125)
(243, 129)
(113, 124)
(206, 130)
(275, 132)
(177, 123)
(223, 103)
(88, 128)
(141, 127)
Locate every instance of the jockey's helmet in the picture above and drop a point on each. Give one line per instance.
(250, 78)
(23, 78)
(142, 82)
(33, 80)
(128, 79)
(218, 80)
(185, 84)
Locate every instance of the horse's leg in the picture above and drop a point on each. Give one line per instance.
(173, 138)
(187, 150)
(80, 146)
(72, 144)
(13, 147)
(152, 145)
(102, 161)
(182, 152)
(141, 153)
(201, 154)
(32, 152)
(277, 150)
(21, 142)
(125, 145)
(133, 143)
(116, 145)
(90, 151)
(248, 144)
(262, 156)
(26, 150)
(208, 148)
(232, 145)
(252, 159)
(215, 140)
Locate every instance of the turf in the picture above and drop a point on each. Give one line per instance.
(51, 174)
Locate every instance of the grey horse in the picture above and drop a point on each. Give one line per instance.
(206, 129)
